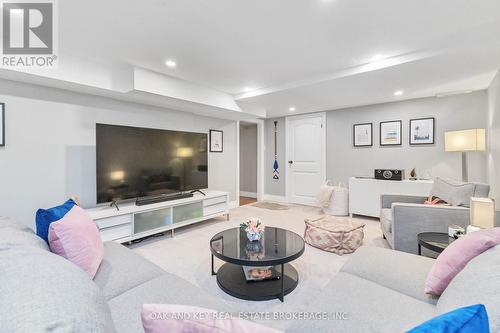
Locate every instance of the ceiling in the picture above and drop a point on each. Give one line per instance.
(313, 55)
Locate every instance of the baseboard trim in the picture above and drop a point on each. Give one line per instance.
(275, 198)
(248, 194)
(234, 204)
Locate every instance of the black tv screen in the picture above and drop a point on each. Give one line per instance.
(135, 162)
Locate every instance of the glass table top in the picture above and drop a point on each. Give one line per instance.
(276, 246)
(435, 239)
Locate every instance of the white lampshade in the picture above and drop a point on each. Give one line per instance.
(482, 212)
(466, 140)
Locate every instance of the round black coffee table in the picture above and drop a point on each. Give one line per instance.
(435, 241)
(276, 248)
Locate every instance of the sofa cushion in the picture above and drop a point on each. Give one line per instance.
(42, 292)
(386, 219)
(367, 307)
(477, 283)
(162, 318)
(166, 289)
(122, 269)
(470, 319)
(401, 271)
(16, 234)
(44, 217)
(458, 193)
(456, 256)
(76, 238)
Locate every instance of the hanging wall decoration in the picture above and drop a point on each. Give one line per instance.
(276, 172)
(363, 135)
(216, 141)
(2, 124)
(422, 131)
(390, 133)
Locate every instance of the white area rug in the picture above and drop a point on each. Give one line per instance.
(188, 256)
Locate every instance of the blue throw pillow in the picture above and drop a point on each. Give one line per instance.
(44, 217)
(469, 319)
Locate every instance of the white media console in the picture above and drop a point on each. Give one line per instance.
(133, 222)
(364, 193)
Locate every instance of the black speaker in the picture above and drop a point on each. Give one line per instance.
(387, 174)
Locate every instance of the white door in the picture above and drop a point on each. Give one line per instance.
(306, 157)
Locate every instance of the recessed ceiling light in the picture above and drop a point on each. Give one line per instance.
(291, 108)
(170, 63)
(399, 93)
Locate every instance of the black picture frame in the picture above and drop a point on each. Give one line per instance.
(213, 144)
(410, 132)
(400, 142)
(2, 125)
(354, 135)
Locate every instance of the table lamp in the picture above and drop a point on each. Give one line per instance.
(482, 214)
(465, 141)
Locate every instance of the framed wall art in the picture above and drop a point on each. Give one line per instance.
(216, 141)
(422, 131)
(363, 135)
(390, 133)
(2, 124)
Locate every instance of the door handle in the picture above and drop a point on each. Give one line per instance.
(290, 162)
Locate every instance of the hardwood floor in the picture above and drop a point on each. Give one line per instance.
(246, 201)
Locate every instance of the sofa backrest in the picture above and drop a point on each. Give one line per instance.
(477, 283)
(43, 292)
(16, 234)
(458, 193)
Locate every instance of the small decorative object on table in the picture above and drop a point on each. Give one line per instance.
(455, 231)
(413, 174)
(254, 229)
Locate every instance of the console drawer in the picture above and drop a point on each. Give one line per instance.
(214, 201)
(116, 232)
(214, 209)
(113, 221)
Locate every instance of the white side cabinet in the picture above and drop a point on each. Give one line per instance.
(133, 222)
(364, 193)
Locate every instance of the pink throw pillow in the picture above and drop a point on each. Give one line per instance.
(161, 318)
(76, 238)
(456, 256)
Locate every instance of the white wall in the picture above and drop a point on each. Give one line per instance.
(451, 113)
(50, 145)
(494, 138)
(343, 160)
(248, 158)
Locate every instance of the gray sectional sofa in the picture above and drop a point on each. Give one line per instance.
(377, 290)
(42, 292)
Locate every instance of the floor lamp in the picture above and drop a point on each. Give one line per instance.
(465, 141)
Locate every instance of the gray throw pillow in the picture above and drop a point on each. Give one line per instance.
(455, 193)
(42, 292)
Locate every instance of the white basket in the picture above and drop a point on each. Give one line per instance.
(339, 201)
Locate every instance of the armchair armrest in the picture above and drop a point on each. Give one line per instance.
(411, 219)
(386, 200)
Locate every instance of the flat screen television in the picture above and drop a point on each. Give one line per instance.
(133, 162)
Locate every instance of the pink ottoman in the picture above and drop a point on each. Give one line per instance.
(334, 234)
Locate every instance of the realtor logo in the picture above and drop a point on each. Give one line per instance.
(28, 32)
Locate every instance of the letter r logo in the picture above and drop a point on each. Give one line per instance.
(27, 28)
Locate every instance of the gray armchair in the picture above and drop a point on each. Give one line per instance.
(403, 217)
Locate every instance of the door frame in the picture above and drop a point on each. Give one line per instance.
(288, 147)
(260, 157)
